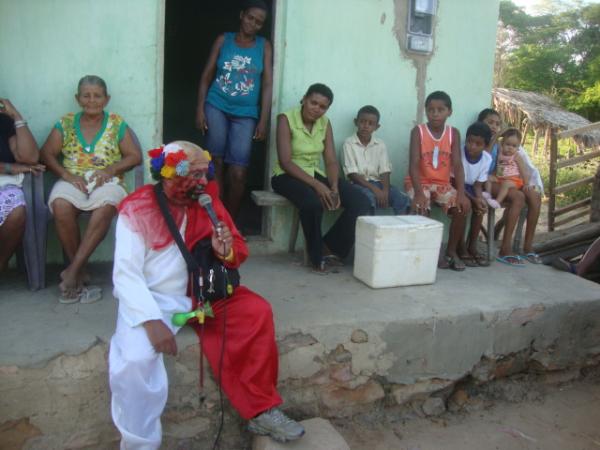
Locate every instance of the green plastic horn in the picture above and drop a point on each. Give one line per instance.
(180, 319)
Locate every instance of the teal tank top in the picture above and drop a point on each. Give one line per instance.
(236, 87)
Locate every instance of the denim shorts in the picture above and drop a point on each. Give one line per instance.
(228, 137)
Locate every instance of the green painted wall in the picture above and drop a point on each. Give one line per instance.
(354, 46)
(48, 45)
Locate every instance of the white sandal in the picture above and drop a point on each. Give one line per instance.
(90, 294)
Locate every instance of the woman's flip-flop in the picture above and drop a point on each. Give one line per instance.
(469, 260)
(69, 296)
(481, 260)
(511, 260)
(333, 260)
(454, 263)
(533, 258)
(321, 269)
(90, 294)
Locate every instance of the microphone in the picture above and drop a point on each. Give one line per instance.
(206, 202)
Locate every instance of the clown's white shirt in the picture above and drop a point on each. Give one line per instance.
(149, 284)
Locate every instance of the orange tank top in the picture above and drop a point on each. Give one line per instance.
(436, 156)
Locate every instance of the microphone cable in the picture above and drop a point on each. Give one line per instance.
(221, 402)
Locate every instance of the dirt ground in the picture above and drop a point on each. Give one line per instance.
(510, 416)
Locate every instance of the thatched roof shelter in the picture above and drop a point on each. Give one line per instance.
(529, 110)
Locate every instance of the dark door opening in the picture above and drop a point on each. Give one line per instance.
(191, 26)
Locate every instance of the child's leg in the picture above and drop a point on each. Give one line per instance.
(463, 249)
(505, 185)
(369, 194)
(476, 222)
(456, 233)
(446, 197)
(488, 187)
(399, 201)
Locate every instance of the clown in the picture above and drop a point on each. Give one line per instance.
(151, 283)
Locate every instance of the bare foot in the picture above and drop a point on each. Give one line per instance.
(69, 281)
(69, 289)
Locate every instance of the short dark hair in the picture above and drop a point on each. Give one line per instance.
(511, 132)
(487, 112)
(480, 129)
(260, 4)
(369, 109)
(439, 95)
(320, 88)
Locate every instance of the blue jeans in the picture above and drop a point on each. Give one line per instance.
(228, 137)
(399, 201)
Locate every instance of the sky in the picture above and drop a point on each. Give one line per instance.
(530, 5)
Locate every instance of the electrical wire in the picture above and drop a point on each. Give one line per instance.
(221, 402)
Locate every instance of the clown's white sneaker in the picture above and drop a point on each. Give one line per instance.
(276, 424)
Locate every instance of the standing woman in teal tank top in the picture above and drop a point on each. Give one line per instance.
(234, 99)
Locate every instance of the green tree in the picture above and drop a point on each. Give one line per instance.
(556, 53)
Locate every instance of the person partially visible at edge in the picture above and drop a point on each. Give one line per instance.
(476, 163)
(530, 194)
(588, 263)
(152, 283)
(434, 156)
(367, 164)
(18, 155)
(304, 138)
(234, 100)
(97, 148)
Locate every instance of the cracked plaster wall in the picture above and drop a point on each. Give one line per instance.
(325, 371)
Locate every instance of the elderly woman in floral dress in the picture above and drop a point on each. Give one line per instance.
(97, 149)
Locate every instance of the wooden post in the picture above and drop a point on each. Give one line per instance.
(525, 131)
(595, 205)
(551, 133)
(536, 141)
(547, 140)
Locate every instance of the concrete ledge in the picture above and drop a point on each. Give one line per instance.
(345, 348)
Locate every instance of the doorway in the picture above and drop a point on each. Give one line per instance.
(191, 27)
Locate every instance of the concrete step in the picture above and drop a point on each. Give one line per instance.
(344, 348)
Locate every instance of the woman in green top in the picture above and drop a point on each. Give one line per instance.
(304, 137)
(97, 149)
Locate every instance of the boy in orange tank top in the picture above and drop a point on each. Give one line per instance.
(434, 156)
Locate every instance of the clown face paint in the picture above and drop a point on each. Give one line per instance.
(186, 190)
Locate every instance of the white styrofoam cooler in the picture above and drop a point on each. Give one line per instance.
(396, 250)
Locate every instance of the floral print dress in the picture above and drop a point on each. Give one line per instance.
(80, 156)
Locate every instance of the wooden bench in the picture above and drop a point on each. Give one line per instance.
(269, 198)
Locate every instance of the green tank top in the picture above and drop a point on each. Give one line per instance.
(307, 146)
